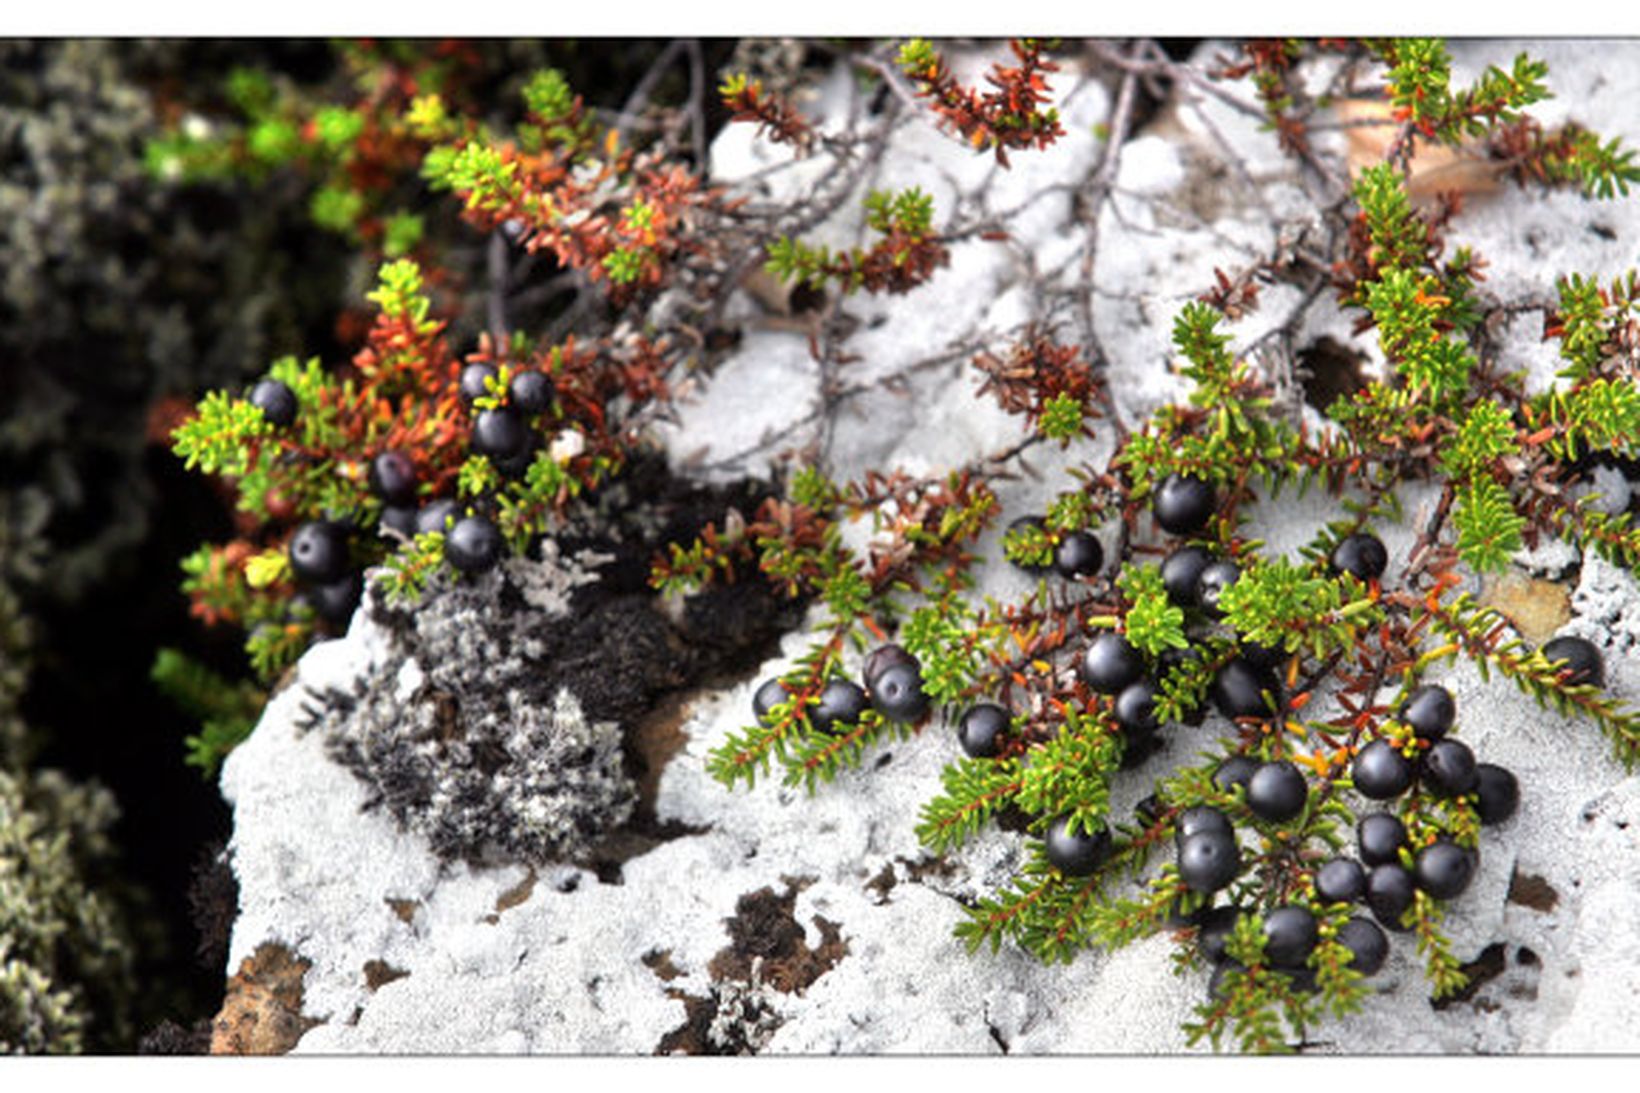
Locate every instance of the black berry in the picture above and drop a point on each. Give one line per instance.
(1198, 819)
(898, 693)
(1173, 658)
(515, 466)
(1076, 854)
(336, 601)
(1449, 768)
(1239, 689)
(1237, 770)
(1579, 658)
(1444, 869)
(1277, 791)
(1389, 893)
(529, 392)
(500, 434)
(1183, 504)
(1135, 709)
(474, 382)
(979, 733)
(1429, 711)
(1213, 926)
(1180, 572)
(1262, 656)
(436, 516)
(841, 703)
(1217, 985)
(884, 656)
(400, 519)
(318, 552)
(769, 694)
(276, 401)
(1497, 793)
(1368, 946)
(1111, 663)
(1380, 837)
(1209, 860)
(1381, 772)
(1361, 555)
(1300, 980)
(1211, 582)
(1138, 751)
(393, 478)
(1289, 935)
(473, 545)
(1341, 880)
(1078, 555)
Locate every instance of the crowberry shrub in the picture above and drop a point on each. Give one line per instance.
(1313, 661)
(436, 448)
(1331, 735)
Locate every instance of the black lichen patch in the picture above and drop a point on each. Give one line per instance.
(213, 900)
(403, 909)
(884, 881)
(693, 1036)
(734, 1018)
(765, 934)
(523, 715)
(1530, 890)
(378, 973)
(660, 962)
(1482, 970)
(767, 955)
(515, 896)
(1329, 371)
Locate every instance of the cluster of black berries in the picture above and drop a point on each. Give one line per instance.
(1444, 766)
(1208, 852)
(321, 554)
(1378, 877)
(893, 687)
(504, 433)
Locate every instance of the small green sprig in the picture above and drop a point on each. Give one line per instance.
(904, 257)
(226, 710)
(1489, 528)
(1282, 605)
(1419, 81)
(1154, 623)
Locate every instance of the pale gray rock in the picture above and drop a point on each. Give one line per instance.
(506, 958)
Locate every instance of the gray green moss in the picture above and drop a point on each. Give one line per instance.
(66, 959)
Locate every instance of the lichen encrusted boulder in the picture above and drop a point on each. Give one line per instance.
(772, 920)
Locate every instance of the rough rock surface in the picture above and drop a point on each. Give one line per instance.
(783, 923)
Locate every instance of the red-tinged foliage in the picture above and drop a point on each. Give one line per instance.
(1038, 371)
(776, 119)
(1010, 117)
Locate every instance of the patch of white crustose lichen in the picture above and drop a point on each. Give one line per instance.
(464, 739)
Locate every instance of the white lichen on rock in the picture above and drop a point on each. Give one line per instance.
(459, 737)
